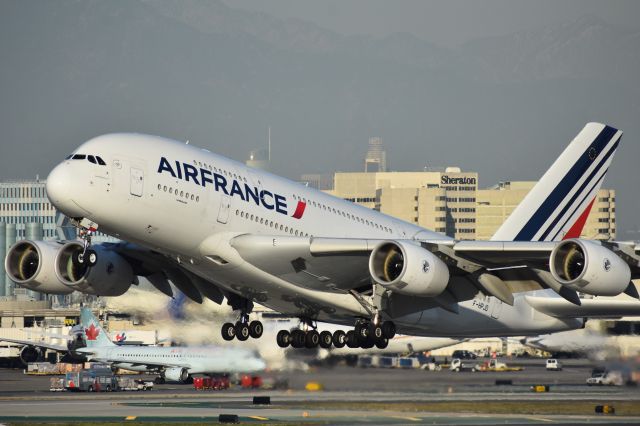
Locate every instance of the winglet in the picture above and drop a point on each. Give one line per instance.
(558, 205)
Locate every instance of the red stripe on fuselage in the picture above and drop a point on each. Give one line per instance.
(299, 210)
(577, 227)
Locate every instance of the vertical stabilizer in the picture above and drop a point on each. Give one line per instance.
(94, 334)
(558, 205)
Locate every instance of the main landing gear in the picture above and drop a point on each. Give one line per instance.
(366, 334)
(242, 329)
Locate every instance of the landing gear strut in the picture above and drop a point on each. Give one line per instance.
(87, 256)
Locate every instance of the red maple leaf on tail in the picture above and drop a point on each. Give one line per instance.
(91, 332)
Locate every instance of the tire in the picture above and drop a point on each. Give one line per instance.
(90, 388)
(92, 257)
(339, 339)
(375, 331)
(108, 388)
(312, 339)
(367, 343)
(362, 331)
(297, 339)
(228, 331)
(382, 343)
(325, 340)
(283, 338)
(78, 258)
(242, 331)
(352, 339)
(256, 329)
(388, 329)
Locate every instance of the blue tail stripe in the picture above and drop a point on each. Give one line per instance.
(578, 205)
(579, 191)
(568, 182)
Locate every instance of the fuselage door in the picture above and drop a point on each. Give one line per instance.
(225, 205)
(137, 182)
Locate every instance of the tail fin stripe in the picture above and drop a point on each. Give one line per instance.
(568, 182)
(588, 195)
(588, 182)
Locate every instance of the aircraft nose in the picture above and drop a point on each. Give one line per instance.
(59, 186)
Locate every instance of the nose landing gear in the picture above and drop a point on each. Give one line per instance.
(87, 256)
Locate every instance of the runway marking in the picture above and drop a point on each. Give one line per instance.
(413, 419)
(258, 418)
(540, 419)
(130, 418)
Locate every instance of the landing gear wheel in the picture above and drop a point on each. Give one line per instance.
(78, 258)
(382, 343)
(362, 331)
(242, 331)
(312, 339)
(159, 380)
(297, 339)
(352, 339)
(339, 339)
(325, 339)
(388, 329)
(255, 329)
(283, 338)
(228, 331)
(367, 343)
(375, 331)
(91, 257)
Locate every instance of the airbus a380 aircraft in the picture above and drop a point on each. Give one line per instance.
(172, 363)
(219, 229)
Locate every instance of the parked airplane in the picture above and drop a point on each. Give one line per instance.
(219, 229)
(171, 363)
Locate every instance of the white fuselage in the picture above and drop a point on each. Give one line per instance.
(197, 360)
(187, 203)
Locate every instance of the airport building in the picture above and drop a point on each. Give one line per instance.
(376, 158)
(443, 200)
(449, 201)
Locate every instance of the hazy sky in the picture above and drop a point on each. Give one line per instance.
(445, 23)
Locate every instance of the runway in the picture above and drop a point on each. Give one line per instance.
(351, 395)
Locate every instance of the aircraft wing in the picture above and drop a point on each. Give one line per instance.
(51, 346)
(598, 307)
(339, 265)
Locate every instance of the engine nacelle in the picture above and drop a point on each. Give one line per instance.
(589, 267)
(110, 276)
(176, 374)
(30, 354)
(30, 265)
(408, 269)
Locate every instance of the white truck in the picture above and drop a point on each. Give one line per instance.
(458, 365)
(553, 365)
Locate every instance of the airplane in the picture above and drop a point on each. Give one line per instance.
(91, 342)
(219, 229)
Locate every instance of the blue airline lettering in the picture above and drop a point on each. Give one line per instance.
(187, 172)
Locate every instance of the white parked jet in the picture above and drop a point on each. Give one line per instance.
(219, 229)
(171, 363)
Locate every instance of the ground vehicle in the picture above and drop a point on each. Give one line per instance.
(606, 378)
(462, 354)
(458, 365)
(126, 383)
(553, 364)
(93, 380)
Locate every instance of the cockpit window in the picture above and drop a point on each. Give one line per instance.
(69, 157)
(100, 161)
(92, 159)
(79, 157)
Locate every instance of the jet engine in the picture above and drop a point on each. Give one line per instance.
(176, 374)
(589, 267)
(110, 276)
(409, 269)
(30, 265)
(30, 354)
